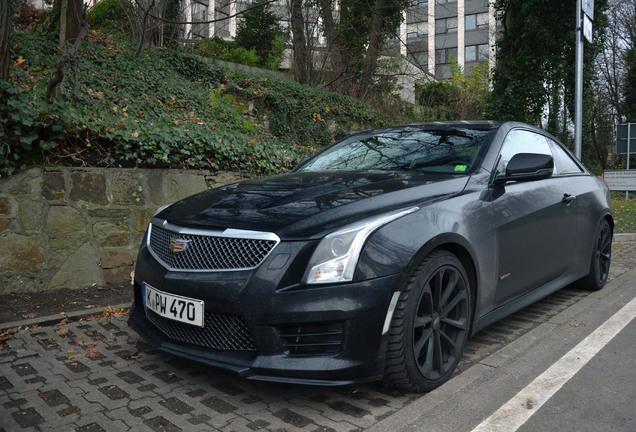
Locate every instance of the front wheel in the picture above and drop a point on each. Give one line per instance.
(601, 259)
(430, 326)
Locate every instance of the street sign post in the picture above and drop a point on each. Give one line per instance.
(625, 139)
(623, 180)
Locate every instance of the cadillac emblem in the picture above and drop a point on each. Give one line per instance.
(177, 245)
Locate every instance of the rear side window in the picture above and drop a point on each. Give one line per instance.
(563, 161)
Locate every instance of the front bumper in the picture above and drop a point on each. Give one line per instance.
(327, 335)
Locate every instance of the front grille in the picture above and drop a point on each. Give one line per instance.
(312, 339)
(201, 252)
(224, 332)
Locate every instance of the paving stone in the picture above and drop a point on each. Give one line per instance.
(147, 387)
(140, 412)
(54, 398)
(159, 423)
(219, 405)
(199, 419)
(292, 418)
(24, 369)
(113, 392)
(228, 388)
(17, 403)
(130, 377)
(258, 424)
(196, 393)
(77, 367)
(5, 384)
(251, 399)
(348, 409)
(91, 427)
(35, 380)
(27, 418)
(176, 406)
(166, 377)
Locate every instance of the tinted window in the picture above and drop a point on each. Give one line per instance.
(452, 151)
(564, 162)
(521, 141)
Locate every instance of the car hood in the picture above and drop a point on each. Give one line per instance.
(305, 205)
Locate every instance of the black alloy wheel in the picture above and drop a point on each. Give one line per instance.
(601, 259)
(430, 325)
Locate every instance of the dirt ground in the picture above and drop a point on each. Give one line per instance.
(17, 307)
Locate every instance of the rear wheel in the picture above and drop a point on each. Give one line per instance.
(430, 325)
(601, 259)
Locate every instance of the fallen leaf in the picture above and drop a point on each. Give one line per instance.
(62, 332)
(577, 324)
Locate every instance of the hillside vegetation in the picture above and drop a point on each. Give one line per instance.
(163, 109)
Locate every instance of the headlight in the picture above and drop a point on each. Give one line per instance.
(336, 256)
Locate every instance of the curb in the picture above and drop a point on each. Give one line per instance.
(54, 319)
(623, 238)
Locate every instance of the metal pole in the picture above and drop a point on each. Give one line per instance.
(629, 138)
(578, 90)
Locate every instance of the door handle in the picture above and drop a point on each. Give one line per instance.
(567, 198)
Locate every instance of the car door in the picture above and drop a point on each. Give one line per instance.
(535, 223)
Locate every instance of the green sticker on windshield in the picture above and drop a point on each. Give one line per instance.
(461, 167)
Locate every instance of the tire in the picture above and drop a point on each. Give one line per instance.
(600, 261)
(430, 325)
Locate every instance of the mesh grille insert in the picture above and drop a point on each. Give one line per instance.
(225, 332)
(184, 251)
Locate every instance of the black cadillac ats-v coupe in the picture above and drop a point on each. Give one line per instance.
(375, 259)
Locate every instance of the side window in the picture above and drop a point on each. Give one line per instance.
(521, 141)
(564, 163)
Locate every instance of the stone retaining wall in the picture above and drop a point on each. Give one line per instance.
(79, 227)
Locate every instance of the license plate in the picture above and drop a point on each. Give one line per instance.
(174, 307)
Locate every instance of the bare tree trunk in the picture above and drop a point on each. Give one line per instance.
(142, 38)
(338, 66)
(67, 56)
(303, 62)
(6, 12)
(63, 16)
(376, 38)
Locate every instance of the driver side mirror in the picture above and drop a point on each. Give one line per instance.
(527, 167)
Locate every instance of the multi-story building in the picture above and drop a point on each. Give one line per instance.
(436, 32)
(433, 33)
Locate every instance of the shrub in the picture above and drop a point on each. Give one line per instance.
(220, 49)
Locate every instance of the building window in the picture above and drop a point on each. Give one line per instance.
(451, 25)
(446, 25)
(445, 1)
(483, 52)
(422, 3)
(471, 53)
(476, 53)
(471, 22)
(414, 30)
(476, 21)
(445, 55)
(482, 20)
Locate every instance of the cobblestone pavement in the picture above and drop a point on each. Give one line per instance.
(99, 376)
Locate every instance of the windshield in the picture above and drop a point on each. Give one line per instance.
(448, 150)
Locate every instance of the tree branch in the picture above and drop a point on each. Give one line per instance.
(67, 56)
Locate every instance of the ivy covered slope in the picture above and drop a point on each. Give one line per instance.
(163, 109)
